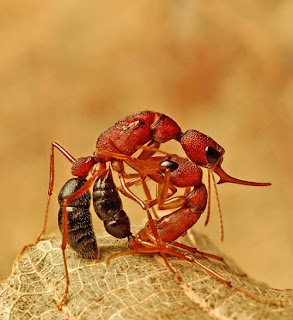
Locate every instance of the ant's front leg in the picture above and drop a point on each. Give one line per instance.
(71, 159)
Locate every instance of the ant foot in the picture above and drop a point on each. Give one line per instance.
(39, 237)
(63, 302)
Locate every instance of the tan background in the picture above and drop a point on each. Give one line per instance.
(70, 69)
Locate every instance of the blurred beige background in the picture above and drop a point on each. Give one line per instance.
(69, 70)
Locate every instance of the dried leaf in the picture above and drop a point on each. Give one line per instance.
(133, 287)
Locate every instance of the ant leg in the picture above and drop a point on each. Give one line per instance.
(149, 150)
(138, 180)
(119, 167)
(163, 189)
(195, 250)
(144, 167)
(127, 192)
(149, 200)
(134, 176)
(149, 248)
(190, 259)
(66, 291)
(151, 203)
(153, 248)
(71, 159)
(170, 203)
(149, 168)
(149, 197)
(164, 185)
(142, 204)
(173, 203)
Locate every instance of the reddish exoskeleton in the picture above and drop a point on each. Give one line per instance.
(116, 145)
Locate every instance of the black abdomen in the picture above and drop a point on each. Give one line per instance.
(108, 206)
(81, 236)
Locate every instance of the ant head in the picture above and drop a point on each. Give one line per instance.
(201, 149)
(204, 151)
(183, 172)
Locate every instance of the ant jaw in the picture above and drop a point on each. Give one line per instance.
(224, 177)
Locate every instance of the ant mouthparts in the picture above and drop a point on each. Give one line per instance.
(224, 177)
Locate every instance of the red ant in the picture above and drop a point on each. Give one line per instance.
(182, 173)
(118, 143)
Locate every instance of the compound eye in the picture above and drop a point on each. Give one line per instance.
(212, 155)
(170, 165)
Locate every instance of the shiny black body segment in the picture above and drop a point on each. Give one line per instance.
(81, 236)
(108, 206)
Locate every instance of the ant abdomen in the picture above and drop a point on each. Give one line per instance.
(108, 206)
(81, 236)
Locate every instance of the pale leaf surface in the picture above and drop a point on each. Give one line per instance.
(133, 287)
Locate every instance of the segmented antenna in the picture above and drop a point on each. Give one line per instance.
(209, 198)
(219, 207)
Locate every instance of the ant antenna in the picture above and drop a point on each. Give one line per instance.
(224, 177)
(209, 198)
(219, 206)
(210, 173)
